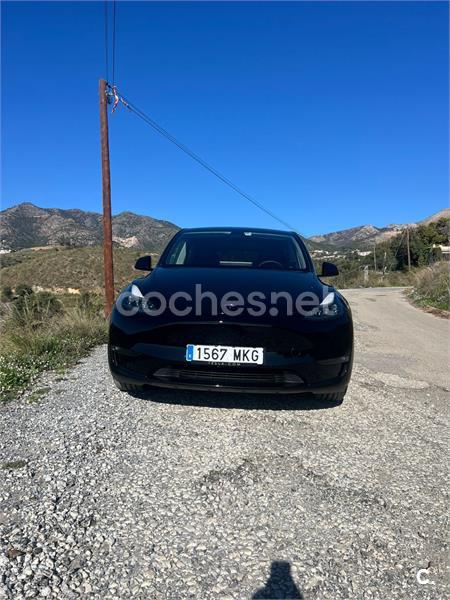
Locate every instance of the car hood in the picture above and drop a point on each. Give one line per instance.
(169, 280)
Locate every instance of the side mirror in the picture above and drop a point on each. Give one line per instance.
(329, 269)
(144, 263)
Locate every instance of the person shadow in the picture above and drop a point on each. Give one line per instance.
(280, 585)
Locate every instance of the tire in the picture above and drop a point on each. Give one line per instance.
(335, 398)
(129, 387)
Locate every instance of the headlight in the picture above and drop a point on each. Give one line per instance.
(136, 293)
(330, 306)
(135, 296)
(130, 301)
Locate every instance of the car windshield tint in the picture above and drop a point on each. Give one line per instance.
(255, 250)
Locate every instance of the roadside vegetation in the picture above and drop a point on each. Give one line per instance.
(432, 287)
(57, 316)
(356, 278)
(42, 331)
(424, 242)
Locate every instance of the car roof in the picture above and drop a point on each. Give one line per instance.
(235, 230)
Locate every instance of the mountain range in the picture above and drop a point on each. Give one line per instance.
(28, 226)
(366, 235)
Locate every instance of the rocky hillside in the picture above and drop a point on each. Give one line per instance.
(29, 226)
(368, 234)
(442, 214)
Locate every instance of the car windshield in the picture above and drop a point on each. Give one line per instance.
(242, 249)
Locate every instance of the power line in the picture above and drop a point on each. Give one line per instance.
(142, 115)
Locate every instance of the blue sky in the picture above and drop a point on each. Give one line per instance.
(330, 114)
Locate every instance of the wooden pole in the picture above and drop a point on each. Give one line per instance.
(375, 256)
(108, 269)
(407, 249)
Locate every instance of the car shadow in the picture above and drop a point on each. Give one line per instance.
(233, 400)
(280, 584)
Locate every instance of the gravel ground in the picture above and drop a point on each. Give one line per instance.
(183, 495)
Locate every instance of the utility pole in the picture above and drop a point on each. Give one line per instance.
(375, 256)
(106, 190)
(407, 249)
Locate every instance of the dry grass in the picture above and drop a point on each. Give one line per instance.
(62, 268)
(356, 279)
(432, 286)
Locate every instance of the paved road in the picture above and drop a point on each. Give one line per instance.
(397, 338)
(183, 495)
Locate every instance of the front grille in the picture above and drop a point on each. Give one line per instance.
(229, 378)
(272, 339)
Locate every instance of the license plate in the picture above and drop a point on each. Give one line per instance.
(225, 354)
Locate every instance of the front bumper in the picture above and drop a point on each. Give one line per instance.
(165, 366)
(299, 357)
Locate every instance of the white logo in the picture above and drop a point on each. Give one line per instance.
(422, 577)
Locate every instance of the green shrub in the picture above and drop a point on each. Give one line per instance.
(32, 310)
(89, 304)
(23, 290)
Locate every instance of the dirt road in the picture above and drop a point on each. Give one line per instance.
(183, 495)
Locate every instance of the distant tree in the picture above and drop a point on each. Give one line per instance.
(421, 242)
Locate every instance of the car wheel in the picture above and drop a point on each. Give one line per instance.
(335, 398)
(129, 387)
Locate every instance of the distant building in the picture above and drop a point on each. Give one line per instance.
(445, 251)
